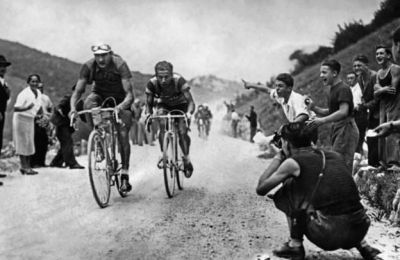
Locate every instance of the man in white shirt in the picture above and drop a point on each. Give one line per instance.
(360, 115)
(293, 104)
(351, 79)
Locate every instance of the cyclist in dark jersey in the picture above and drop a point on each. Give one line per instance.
(167, 91)
(111, 77)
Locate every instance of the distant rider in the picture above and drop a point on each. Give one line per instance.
(204, 114)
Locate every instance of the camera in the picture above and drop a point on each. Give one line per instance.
(277, 140)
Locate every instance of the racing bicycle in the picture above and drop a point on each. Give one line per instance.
(172, 161)
(103, 165)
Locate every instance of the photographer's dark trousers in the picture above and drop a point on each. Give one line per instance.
(345, 230)
(41, 146)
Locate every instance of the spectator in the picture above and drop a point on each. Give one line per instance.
(42, 127)
(366, 79)
(387, 91)
(64, 132)
(318, 181)
(252, 117)
(340, 112)
(293, 104)
(4, 97)
(234, 122)
(229, 106)
(360, 114)
(26, 107)
(392, 126)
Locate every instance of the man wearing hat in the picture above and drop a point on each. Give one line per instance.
(4, 96)
(111, 77)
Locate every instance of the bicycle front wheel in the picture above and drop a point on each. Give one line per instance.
(169, 165)
(98, 173)
(179, 166)
(117, 166)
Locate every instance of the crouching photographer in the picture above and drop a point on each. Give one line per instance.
(318, 196)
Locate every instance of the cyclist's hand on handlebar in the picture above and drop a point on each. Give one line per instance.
(72, 113)
(72, 117)
(118, 110)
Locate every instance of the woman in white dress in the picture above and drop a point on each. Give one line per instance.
(26, 107)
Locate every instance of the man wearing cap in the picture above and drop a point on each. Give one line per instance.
(4, 96)
(112, 78)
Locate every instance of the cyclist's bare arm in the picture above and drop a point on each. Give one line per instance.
(189, 98)
(77, 94)
(149, 103)
(128, 88)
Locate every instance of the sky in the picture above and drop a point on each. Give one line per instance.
(234, 39)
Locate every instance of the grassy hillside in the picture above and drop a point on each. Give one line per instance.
(307, 82)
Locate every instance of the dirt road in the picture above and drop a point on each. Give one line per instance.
(217, 216)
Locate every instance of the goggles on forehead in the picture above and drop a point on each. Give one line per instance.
(102, 48)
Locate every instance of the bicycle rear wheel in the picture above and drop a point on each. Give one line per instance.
(168, 165)
(203, 132)
(98, 173)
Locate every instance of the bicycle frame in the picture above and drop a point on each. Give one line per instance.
(173, 163)
(172, 128)
(107, 131)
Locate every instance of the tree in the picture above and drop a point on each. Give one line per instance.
(349, 34)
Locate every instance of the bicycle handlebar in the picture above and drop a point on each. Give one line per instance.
(168, 116)
(100, 109)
